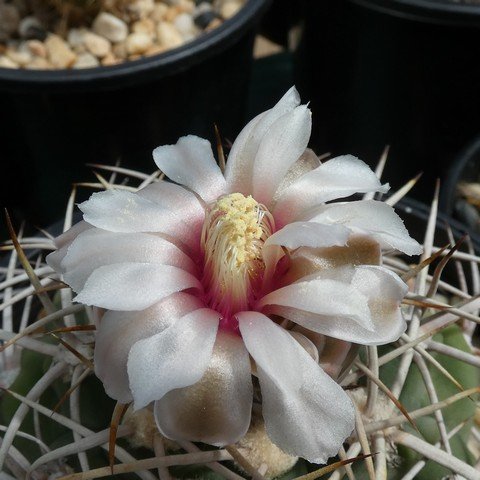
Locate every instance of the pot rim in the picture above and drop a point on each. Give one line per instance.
(445, 12)
(177, 59)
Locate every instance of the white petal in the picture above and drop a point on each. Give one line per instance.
(133, 286)
(239, 170)
(62, 242)
(305, 261)
(174, 358)
(306, 413)
(335, 299)
(95, 247)
(122, 211)
(383, 291)
(309, 234)
(339, 177)
(280, 148)
(190, 162)
(216, 409)
(170, 196)
(118, 331)
(300, 234)
(369, 216)
(307, 162)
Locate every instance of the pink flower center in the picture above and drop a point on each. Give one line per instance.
(234, 231)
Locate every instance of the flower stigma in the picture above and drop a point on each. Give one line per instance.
(234, 231)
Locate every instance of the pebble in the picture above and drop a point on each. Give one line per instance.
(39, 63)
(122, 31)
(31, 28)
(159, 12)
(37, 48)
(168, 36)
(59, 53)
(21, 57)
(110, 59)
(184, 24)
(97, 45)
(146, 26)
(229, 9)
(138, 43)
(120, 50)
(141, 8)
(86, 60)
(5, 62)
(110, 27)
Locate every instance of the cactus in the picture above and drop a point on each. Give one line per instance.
(415, 399)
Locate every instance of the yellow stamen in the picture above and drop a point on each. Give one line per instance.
(233, 235)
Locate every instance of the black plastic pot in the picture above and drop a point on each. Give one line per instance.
(54, 122)
(403, 73)
(464, 169)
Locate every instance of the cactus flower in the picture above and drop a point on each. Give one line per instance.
(217, 276)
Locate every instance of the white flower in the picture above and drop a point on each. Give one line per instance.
(200, 275)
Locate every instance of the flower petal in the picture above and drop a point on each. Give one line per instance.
(382, 289)
(190, 162)
(308, 161)
(332, 299)
(369, 216)
(96, 247)
(339, 177)
(216, 409)
(309, 234)
(174, 358)
(127, 212)
(239, 169)
(174, 197)
(297, 235)
(280, 148)
(62, 242)
(306, 413)
(385, 291)
(119, 331)
(133, 286)
(305, 261)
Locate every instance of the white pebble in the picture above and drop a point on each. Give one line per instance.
(59, 53)
(168, 36)
(5, 62)
(76, 37)
(86, 60)
(138, 43)
(146, 25)
(19, 56)
(184, 24)
(97, 45)
(141, 8)
(110, 27)
(38, 63)
(159, 11)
